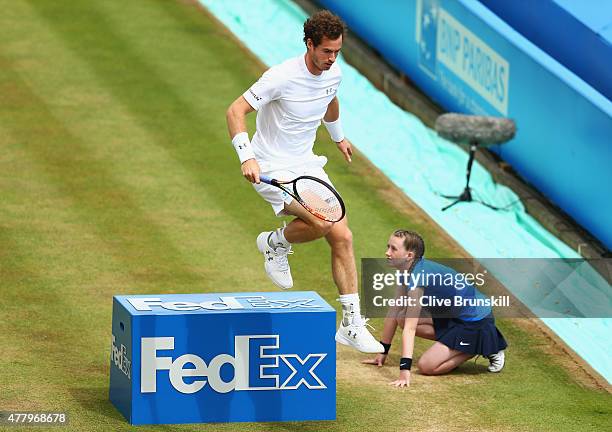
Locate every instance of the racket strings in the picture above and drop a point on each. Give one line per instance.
(319, 198)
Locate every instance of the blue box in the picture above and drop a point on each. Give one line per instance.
(230, 357)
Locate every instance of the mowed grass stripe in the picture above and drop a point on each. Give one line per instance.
(172, 192)
(364, 400)
(102, 202)
(189, 135)
(72, 166)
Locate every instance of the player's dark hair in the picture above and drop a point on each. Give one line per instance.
(412, 242)
(323, 23)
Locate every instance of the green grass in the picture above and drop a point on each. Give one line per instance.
(117, 176)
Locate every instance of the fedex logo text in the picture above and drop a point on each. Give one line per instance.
(253, 351)
(145, 304)
(120, 358)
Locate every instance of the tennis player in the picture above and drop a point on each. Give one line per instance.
(291, 99)
(460, 332)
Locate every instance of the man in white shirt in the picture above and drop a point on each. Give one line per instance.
(291, 99)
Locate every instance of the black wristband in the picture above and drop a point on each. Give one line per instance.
(386, 346)
(405, 363)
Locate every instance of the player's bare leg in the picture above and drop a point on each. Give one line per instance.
(307, 227)
(340, 239)
(352, 330)
(440, 359)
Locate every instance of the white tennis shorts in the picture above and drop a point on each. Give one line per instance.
(277, 197)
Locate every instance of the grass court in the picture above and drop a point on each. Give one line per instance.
(117, 177)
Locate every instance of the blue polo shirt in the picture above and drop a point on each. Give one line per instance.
(441, 282)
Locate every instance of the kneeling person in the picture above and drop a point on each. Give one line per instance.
(460, 331)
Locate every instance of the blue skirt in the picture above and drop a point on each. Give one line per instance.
(471, 337)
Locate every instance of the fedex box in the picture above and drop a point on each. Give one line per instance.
(231, 357)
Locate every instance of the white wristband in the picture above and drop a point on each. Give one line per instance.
(335, 130)
(242, 145)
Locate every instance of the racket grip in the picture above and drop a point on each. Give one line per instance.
(265, 179)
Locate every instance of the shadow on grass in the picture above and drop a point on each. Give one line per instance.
(471, 367)
(96, 401)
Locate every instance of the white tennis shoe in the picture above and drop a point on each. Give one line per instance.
(275, 261)
(359, 337)
(496, 361)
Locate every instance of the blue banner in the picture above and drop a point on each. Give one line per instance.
(468, 60)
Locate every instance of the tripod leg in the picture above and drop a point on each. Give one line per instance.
(451, 204)
(492, 207)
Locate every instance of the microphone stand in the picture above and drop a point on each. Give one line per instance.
(466, 195)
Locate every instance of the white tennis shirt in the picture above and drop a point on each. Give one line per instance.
(290, 103)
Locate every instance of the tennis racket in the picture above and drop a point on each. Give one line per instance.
(315, 195)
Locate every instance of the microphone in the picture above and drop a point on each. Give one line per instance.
(481, 130)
